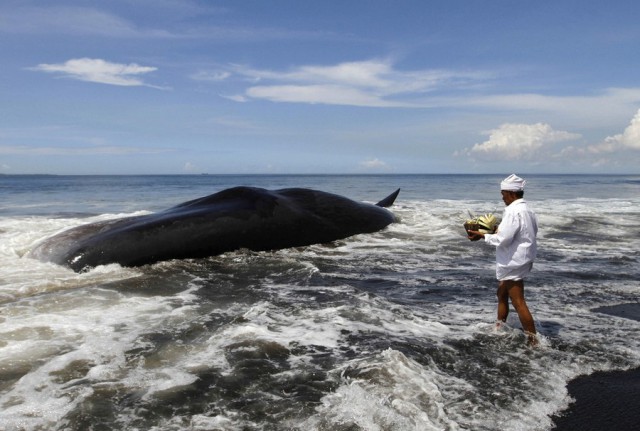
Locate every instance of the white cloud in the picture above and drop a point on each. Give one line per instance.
(325, 94)
(236, 98)
(629, 139)
(190, 167)
(379, 83)
(213, 75)
(534, 142)
(372, 74)
(99, 71)
(374, 83)
(518, 142)
(374, 164)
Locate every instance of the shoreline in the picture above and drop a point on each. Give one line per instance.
(605, 399)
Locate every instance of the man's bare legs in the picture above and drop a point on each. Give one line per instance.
(514, 290)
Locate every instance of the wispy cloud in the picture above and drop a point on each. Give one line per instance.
(71, 21)
(213, 76)
(77, 151)
(324, 94)
(99, 71)
(374, 83)
(381, 83)
(601, 106)
(168, 20)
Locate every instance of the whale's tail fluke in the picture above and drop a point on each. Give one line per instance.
(389, 200)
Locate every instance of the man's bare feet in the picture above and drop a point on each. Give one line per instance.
(532, 339)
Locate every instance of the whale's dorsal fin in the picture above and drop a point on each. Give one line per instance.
(389, 200)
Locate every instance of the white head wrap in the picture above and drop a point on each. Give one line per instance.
(512, 183)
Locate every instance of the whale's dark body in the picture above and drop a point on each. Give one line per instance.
(236, 218)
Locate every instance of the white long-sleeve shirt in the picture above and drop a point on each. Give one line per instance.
(515, 241)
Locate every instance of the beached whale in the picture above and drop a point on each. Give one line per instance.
(237, 218)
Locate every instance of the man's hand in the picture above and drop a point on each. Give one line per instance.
(474, 235)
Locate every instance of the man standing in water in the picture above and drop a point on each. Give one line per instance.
(515, 242)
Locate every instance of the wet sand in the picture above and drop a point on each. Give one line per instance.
(628, 311)
(604, 400)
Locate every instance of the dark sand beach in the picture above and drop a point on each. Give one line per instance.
(605, 400)
(628, 311)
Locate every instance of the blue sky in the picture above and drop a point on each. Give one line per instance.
(350, 86)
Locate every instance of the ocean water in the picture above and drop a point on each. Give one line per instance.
(386, 331)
